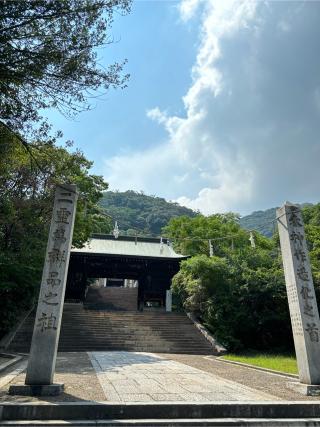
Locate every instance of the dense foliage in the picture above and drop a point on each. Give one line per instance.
(311, 216)
(28, 174)
(48, 59)
(239, 292)
(138, 214)
(260, 221)
(48, 56)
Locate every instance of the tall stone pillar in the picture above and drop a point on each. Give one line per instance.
(169, 300)
(301, 297)
(42, 359)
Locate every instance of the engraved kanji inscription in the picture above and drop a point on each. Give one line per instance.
(300, 254)
(300, 290)
(63, 216)
(56, 257)
(305, 293)
(59, 235)
(294, 219)
(308, 310)
(45, 338)
(313, 332)
(46, 322)
(53, 279)
(50, 299)
(65, 200)
(302, 273)
(296, 237)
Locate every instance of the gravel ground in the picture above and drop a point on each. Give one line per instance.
(259, 380)
(75, 371)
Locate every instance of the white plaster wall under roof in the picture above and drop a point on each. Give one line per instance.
(130, 246)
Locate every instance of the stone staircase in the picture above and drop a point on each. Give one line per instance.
(97, 330)
(112, 298)
(161, 414)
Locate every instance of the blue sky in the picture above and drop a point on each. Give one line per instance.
(160, 51)
(222, 109)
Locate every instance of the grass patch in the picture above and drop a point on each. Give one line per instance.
(277, 362)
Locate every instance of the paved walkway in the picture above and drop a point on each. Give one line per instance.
(142, 377)
(121, 376)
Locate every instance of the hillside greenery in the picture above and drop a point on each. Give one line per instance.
(239, 292)
(263, 221)
(140, 215)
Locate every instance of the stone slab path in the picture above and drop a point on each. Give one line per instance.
(145, 377)
(151, 377)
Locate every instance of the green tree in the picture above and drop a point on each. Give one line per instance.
(49, 56)
(311, 216)
(28, 175)
(239, 293)
(191, 235)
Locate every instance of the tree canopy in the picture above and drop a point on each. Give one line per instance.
(49, 56)
(239, 292)
(28, 175)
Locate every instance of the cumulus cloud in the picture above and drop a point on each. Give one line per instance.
(249, 138)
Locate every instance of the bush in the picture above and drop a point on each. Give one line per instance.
(245, 306)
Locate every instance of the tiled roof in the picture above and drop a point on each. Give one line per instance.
(130, 246)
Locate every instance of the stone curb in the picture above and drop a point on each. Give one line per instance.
(258, 368)
(217, 348)
(8, 377)
(86, 410)
(13, 359)
(181, 422)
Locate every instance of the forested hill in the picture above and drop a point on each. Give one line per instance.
(138, 214)
(141, 215)
(260, 221)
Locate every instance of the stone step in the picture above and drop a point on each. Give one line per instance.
(124, 328)
(110, 345)
(112, 298)
(259, 422)
(86, 330)
(94, 338)
(116, 331)
(127, 339)
(269, 413)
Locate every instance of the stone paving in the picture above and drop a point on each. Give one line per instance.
(142, 377)
(121, 376)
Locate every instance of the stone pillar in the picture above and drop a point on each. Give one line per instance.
(169, 300)
(102, 282)
(301, 297)
(42, 359)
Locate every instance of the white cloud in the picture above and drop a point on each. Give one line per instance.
(188, 8)
(249, 137)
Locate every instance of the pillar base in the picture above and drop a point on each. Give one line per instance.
(305, 389)
(36, 390)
